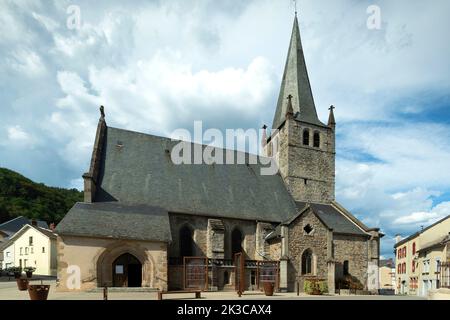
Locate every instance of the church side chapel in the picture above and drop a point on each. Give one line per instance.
(147, 222)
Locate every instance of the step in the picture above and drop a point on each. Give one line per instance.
(125, 289)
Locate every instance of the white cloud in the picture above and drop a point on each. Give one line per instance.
(27, 62)
(425, 218)
(16, 133)
(49, 24)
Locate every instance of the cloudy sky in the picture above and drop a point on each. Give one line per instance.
(160, 65)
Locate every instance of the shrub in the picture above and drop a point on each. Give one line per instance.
(14, 269)
(315, 286)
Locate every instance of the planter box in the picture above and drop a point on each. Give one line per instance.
(268, 288)
(38, 291)
(22, 284)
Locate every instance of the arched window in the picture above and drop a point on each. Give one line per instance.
(236, 241)
(186, 242)
(316, 139)
(307, 262)
(404, 267)
(399, 269)
(413, 267)
(414, 248)
(306, 137)
(346, 268)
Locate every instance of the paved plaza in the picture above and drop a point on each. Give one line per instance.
(9, 291)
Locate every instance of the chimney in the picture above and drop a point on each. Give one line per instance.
(34, 222)
(397, 238)
(52, 226)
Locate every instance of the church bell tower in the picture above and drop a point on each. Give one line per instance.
(305, 147)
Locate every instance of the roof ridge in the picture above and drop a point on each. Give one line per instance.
(191, 142)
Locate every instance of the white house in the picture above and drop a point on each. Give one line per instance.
(31, 246)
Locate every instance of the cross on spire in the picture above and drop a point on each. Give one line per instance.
(295, 6)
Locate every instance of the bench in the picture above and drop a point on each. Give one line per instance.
(196, 292)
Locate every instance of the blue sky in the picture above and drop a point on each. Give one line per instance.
(160, 65)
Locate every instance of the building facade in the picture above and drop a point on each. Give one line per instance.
(31, 246)
(387, 276)
(148, 221)
(420, 260)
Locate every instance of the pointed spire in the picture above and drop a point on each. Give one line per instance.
(296, 83)
(331, 121)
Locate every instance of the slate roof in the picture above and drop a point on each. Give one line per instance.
(387, 263)
(117, 221)
(296, 83)
(136, 168)
(333, 218)
(12, 226)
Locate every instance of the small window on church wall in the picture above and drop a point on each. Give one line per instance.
(307, 262)
(226, 277)
(316, 140)
(236, 242)
(308, 229)
(186, 242)
(346, 268)
(306, 137)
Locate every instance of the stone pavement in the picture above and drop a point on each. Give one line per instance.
(9, 291)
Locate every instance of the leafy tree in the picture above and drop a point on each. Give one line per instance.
(20, 196)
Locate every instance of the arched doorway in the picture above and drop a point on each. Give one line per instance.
(127, 271)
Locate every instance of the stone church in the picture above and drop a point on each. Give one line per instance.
(144, 218)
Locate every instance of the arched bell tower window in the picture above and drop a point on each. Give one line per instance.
(307, 262)
(236, 241)
(306, 137)
(316, 139)
(186, 242)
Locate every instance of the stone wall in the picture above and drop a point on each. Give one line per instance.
(200, 226)
(274, 249)
(299, 241)
(95, 256)
(354, 249)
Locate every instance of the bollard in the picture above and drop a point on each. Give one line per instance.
(105, 293)
(298, 288)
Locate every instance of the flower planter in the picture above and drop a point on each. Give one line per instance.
(29, 274)
(22, 284)
(316, 292)
(17, 275)
(38, 291)
(268, 288)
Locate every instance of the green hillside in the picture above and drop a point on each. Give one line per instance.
(20, 196)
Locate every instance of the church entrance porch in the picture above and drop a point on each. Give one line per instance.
(127, 271)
